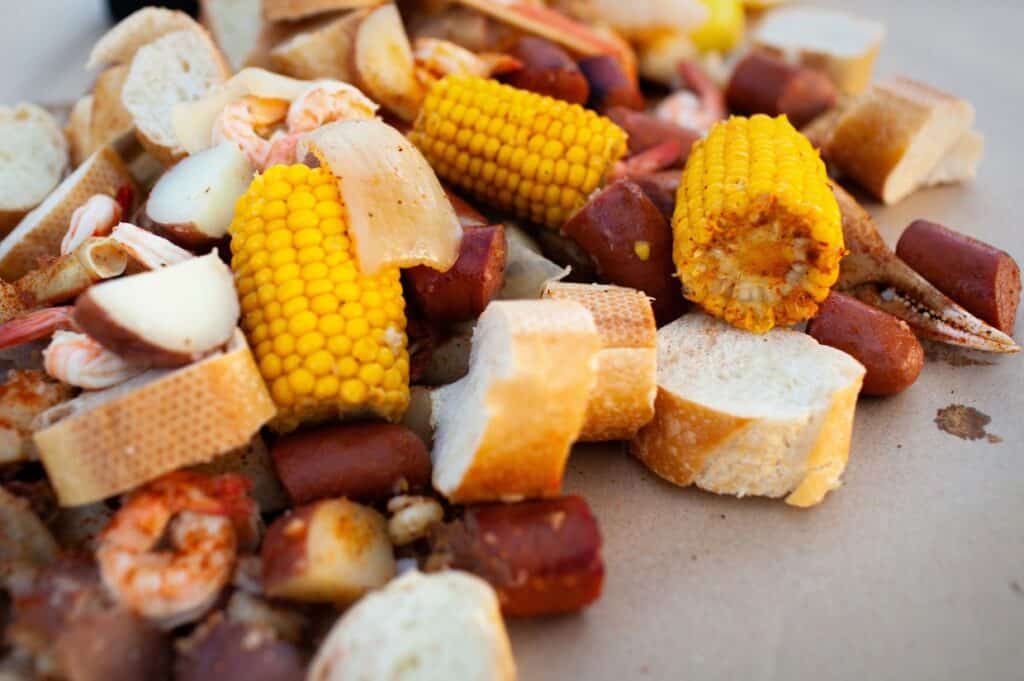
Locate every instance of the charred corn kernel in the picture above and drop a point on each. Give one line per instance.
(308, 310)
(501, 144)
(758, 236)
(723, 29)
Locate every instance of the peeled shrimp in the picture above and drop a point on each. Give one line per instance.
(326, 103)
(96, 217)
(78, 360)
(435, 59)
(699, 106)
(202, 517)
(248, 123)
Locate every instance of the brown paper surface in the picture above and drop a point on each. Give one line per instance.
(914, 569)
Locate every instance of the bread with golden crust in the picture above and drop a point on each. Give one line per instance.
(33, 158)
(293, 10)
(324, 51)
(505, 430)
(622, 399)
(102, 444)
(750, 415)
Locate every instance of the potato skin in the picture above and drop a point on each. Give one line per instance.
(462, 293)
(234, 651)
(617, 228)
(884, 344)
(609, 84)
(555, 543)
(547, 70)
(361, 461)
(113, 644)
(980, 277)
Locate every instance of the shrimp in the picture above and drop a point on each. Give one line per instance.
(78, 360)
(203, 517)
(699, 106)
(149, 250)
(247, 122)
(96, 217)
(325, 103)
(435, 59)
(34, 326)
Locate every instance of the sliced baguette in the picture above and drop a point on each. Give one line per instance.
(745, 414)
(79, 130)
(622, 399)
(843, 46)
(293, 10)
(109, 119)
(119, 44)
(436, 627)
(106, 443)
(326, 51)
(33, 157)
(892, 138)
(236, 25)
(178, 67)
(961, 162)
(39, 234)
(504, 431)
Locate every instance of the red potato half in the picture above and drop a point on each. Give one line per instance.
(167, 317)
(362, 461)
(330, 551)
(630, 241)
(462, 293)
(542, 557)
(548, 70)
(193, 203)
(113, 644)
(235, 651)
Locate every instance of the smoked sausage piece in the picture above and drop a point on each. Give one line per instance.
(764, 83)
(547, 70)
(610, 85)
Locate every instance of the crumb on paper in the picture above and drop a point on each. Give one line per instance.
(966, 423)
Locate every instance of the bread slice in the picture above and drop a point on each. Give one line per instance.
(119, 44)
(961, 162)
(326, 51)
(434, 627)
(235, 25)
(78, 130)
(896, 134)
(109, 119)
(178, 67)
(293, 10)
(102, 444)
(504, 431)
(39, 234)
(622, 399)
(33, 157)
(843, 46)
(746, 414)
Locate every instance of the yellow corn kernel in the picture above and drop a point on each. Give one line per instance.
(723, 29)
(308, 310)
(758, 235)
(505, 146)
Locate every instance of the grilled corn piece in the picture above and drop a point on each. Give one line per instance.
(758, 236)
(330, 341)
(532, 155)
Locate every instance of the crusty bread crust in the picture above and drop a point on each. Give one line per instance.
(622, 400)
(79, 130)
(119, 44)
(181, 418)
(109, 119)
(39, 234)
(323, 52)
(293, 10)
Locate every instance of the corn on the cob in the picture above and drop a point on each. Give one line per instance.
(723, 29)
(535, 156)
(330, 341)
(758, 236)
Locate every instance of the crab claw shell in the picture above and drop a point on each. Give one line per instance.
(873, 273)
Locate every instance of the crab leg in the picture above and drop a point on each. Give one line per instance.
(873, 273)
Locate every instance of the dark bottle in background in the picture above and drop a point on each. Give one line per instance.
(119, 9)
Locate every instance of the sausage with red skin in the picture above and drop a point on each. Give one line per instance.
(884, 344)
(610, 85)
(764, 83)
(547, 70)
(646, 131)
(235, 651)
(462, 293)
(982, 278)
(362, 461)
(630, 242)
(468, 215)
(662, 188)
(542, 557)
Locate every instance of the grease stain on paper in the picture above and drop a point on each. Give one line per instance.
(966, 423)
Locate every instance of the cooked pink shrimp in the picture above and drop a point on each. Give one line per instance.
(436, 59)
(248, 123)
(699, 106)
(152, 251)
(96, 217)
(202, 517)
(34, 326)
(78, 360)
(328, 102)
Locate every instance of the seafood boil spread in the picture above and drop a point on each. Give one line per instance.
(305, 305)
